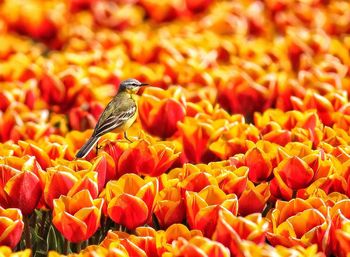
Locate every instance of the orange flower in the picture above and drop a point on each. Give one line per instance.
(343, 240)
(170, 207)
(143, 157)
(19, 189)
(196, 180)
(231, 230)
(243, 95)
(260, 167)
(160, 110)
(254, 198)
(143, 244)
(203, 208)
(200, 133)
(85, 117)
(130, 200)
(339, 230)
(295, 172)
(11, 226)
(232, 180)
(300, 222)
(238, 138)
(7, 252)
(77, 217)
(198, 247)
(64, 181)
(104, 165)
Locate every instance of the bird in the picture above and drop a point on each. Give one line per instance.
(119, 114)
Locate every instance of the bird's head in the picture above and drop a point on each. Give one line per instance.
(131, 86)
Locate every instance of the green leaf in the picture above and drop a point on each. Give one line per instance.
(51, 241)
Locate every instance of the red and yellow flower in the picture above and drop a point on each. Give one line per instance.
(77, 217)
(130, 200)
(11, 226)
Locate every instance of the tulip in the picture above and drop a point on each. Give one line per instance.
(240, 93)
(130, 200)
(238, 138)
(295, 172)
(77, 217)
(339, 230)
(19, 189)
(199, 246)
(64, 181)
(11, 226)
(142, 157)
(300, 222)
(161, 110)
(260, 167)
(203, 208)
(197, 134)
(7, 252)
(231, 230)
(253, 198)
(85, 117)
(140, 245)
(233, 180)
(169, 208)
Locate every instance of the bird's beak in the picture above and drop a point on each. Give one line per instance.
(144, 84)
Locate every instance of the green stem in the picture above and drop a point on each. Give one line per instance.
(78, 247)
(27, 233)
(66, 246)
(42, 224)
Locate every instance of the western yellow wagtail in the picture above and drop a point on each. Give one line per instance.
(118, 116)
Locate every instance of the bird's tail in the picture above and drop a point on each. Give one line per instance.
(87, 147)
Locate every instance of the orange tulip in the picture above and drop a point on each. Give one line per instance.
(238, 138)
(58, 183)
(105, 167)
(160, 110)
(300, 222)
(239, 94)
(64, 181)
(131, 200)
(343, 241)
(11, 226)
(169, 208)
(140, 245)
(231, 230)
(260, 167)
(7, 252)
(197, 181)
(196, 134)
(19, 189)
(198, 247)
(254, 198)
(232, 180)
(33, 150)
(339, 230)
(83, 118)
(295, 172)
(203, 208)
(77, 217)
(142, 157)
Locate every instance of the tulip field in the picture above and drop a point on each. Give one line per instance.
(241, 146)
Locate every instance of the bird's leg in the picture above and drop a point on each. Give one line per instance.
(97, 148)
(126, 137)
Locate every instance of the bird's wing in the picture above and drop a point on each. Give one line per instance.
(114, 116)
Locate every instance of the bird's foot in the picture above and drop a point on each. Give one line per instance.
(126, 137)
